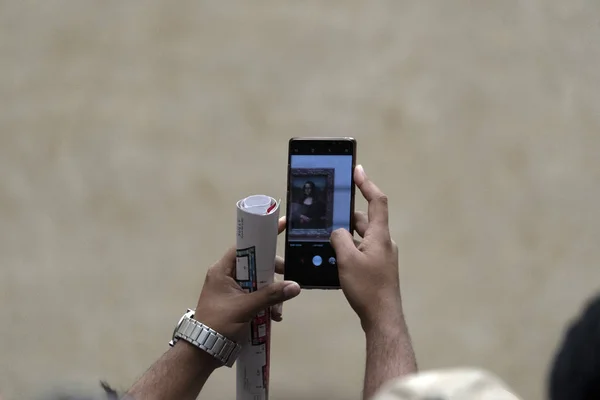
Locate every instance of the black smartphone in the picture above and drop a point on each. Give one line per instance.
(320, 199)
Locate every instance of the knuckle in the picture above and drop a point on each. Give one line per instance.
(341, 260)
(388, 242)
(211, 273)
(273, 292)
(385, 244)
(382, 199)
(337, 234)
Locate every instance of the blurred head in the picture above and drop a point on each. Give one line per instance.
(309, 188)
(447, 384)
(575, 372)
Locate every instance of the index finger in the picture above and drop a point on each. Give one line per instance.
(378, 201)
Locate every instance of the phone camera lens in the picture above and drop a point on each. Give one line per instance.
(312, 150)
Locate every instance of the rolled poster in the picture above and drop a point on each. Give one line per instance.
(256, 244)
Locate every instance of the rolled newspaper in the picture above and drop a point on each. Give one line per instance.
(257, 221)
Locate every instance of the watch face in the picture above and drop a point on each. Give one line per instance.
(188, 314)
(177, 326)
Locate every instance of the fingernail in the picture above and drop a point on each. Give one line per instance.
(277, 312)
(291, 289)
(361, 170)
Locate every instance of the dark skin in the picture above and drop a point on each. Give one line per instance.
(369, 278)
(184, 369)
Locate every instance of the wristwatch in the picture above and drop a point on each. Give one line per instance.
(205, 338)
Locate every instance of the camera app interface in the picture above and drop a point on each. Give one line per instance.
(319, 203)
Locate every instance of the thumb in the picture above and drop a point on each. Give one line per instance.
(343, 243)
(270, 295)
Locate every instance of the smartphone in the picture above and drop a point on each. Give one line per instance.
(320, 199)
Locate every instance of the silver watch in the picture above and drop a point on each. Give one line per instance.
(205, 338)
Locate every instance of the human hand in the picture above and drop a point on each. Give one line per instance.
(304, 218)
(369, 271)
(225, 307)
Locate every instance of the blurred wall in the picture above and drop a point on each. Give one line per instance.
(129, 129)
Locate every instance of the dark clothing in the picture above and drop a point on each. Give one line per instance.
(575, 371)
(316, 212)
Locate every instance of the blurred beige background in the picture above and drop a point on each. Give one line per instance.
(129, 129)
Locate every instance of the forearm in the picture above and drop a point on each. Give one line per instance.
(179, 374)
(389, 354)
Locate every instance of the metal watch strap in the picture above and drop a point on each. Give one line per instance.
(209, 340)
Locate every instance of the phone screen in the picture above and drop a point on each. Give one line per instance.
(320, 199)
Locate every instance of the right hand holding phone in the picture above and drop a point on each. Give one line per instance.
(368, 271)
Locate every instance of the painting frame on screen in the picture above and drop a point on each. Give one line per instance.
(320, 224)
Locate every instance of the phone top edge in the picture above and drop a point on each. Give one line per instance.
(347, 138)
(326, 145)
